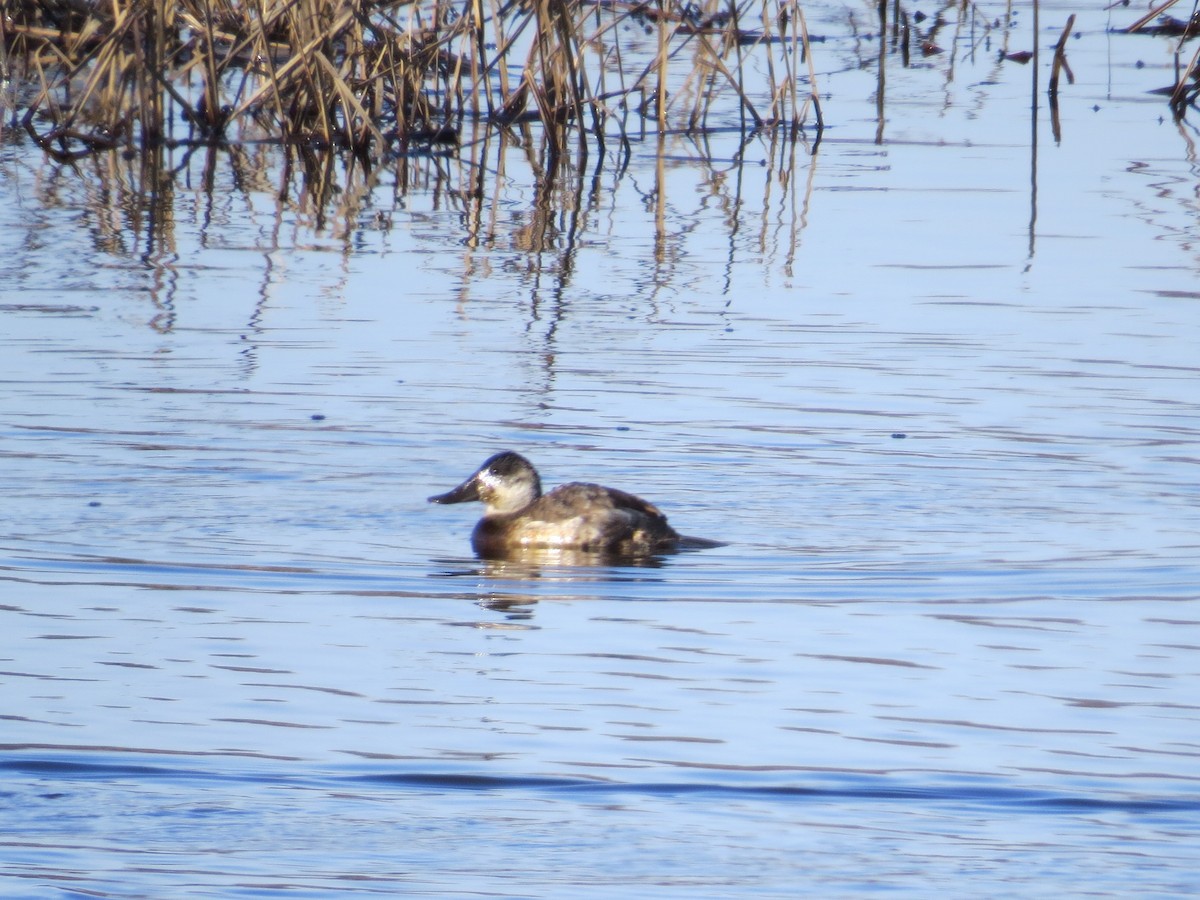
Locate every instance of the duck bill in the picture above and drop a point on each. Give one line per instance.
(464, 493)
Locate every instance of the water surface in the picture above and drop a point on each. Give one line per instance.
(937, 392)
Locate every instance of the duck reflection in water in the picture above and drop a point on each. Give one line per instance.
(578, 522)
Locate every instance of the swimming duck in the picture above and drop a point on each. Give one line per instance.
(585, 517)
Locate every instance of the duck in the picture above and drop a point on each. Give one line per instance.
(588, 518)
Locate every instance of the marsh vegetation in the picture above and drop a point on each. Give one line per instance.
(330, 105)
(375, 78)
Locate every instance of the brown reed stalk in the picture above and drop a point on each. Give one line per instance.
(1060, 60)
(1185, 87)
(814, 98)
(356, 74)
(1149, 17)
(660, 66)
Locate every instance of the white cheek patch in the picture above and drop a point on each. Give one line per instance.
(490, 480)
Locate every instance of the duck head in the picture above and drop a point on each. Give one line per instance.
(505, 483)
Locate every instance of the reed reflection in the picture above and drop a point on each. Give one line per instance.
(507, 190)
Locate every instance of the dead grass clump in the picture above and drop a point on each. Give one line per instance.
(362, 75)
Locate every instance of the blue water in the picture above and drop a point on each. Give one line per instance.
(840, 835)
(948, 426)
(196, 731)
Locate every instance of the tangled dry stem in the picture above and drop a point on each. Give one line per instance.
(367, 76)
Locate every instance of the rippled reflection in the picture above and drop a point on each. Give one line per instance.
(954, 626)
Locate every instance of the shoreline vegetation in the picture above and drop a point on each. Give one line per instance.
(323, 103)
(379, 79)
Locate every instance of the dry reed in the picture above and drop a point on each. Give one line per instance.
(378, 76)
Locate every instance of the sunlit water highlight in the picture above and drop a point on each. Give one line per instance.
(950, 646)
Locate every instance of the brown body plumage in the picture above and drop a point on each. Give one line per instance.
(577, 516)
